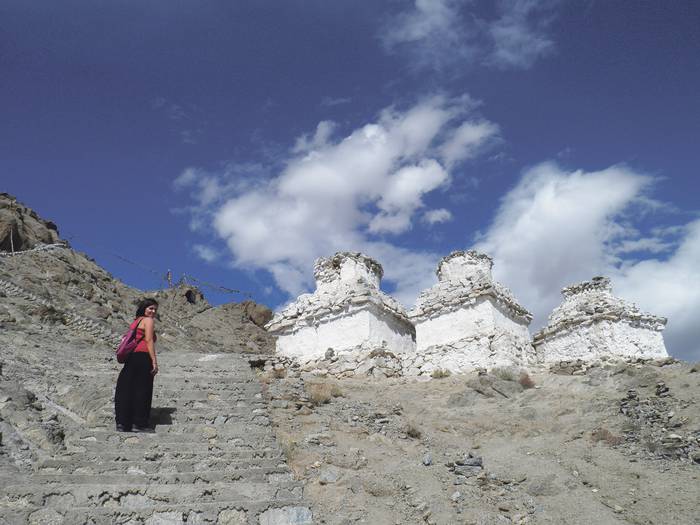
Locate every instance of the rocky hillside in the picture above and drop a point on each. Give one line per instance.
(614, 443)
(244, 438)
(47, 284)
(213, 459)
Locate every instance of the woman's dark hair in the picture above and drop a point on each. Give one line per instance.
(141, 309)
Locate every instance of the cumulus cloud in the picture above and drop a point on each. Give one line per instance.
(353, 192)
(557, 227)
(441, 33)
(669, 287)
(402, 195)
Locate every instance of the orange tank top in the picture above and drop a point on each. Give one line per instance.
(141, 336)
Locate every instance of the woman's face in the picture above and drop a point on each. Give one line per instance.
(152, 310)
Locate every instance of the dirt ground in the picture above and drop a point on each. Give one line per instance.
(483, 449)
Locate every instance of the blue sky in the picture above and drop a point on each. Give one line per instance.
(237, 141)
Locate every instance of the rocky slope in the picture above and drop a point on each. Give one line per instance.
(614, 443)
(21, 228)
(213, 459)
(244, 439)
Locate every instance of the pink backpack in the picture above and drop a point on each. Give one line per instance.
(128, 344)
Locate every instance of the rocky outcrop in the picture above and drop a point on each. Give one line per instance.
(467, 320)
(21, 228)
(592, 323)
(347, 314)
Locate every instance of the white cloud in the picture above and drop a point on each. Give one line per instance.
(323, 133)
(557, 227)
(442, 33)
(647, 244)
(340, 193)
(519, 36)
(467, 140)
(437, 216)
(206, 253)
(402, 194)
(670, 287)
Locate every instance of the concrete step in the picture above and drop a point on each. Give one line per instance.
(64, 496)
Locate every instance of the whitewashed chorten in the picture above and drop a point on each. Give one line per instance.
(347, 313)
(591, 323)
(467, 320)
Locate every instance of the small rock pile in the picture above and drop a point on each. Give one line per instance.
(468, 466)
(377, 363)
(656, 426)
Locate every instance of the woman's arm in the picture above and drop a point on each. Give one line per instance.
(148, 331)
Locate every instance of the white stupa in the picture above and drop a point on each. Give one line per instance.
(347, 313)
(591, 323)
(467, 320)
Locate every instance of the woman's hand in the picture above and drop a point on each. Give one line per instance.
(154, 370)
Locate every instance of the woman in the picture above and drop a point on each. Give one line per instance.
(134, 393)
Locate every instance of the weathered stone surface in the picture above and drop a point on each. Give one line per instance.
(591, 323)
(286, 516)
(46, 517)
(467, 320)
(21, 228)
(258, 313)
(347, 314)
(232, 517)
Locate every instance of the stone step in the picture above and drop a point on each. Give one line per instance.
(177, 433)
(134, 475)
(207, 435)
(160, 466)
(176, 452)
(246, 511)
(213, 404)
(142, 447)
(193, 407)
(209, 394)
(64, 496)
(216, 418)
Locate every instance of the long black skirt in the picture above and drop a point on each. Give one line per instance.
(134, 393)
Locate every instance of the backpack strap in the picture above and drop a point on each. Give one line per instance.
(137, 327)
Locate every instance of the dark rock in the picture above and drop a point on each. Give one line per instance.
(259, 314)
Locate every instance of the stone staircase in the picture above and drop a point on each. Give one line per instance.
(213, 459)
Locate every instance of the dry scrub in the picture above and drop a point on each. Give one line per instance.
(603, 434)
(439, 373)
(321, 393)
